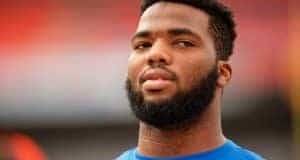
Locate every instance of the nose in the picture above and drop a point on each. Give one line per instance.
(159, 53)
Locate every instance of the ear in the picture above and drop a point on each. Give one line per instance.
(225, 73)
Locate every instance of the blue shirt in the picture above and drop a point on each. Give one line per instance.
(228, 151)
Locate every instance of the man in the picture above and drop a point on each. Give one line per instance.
(176, 76)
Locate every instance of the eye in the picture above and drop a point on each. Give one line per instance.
(184, 43)
(142, 45)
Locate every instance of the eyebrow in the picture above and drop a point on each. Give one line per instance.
(141, 34)
(182, 31)
(172, 32)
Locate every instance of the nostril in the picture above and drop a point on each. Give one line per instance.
(150, 61)
(162, 60)
(156, 60)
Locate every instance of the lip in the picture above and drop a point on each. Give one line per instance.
(157, 79)
(157, 74)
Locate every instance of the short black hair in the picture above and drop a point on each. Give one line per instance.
(221, 22)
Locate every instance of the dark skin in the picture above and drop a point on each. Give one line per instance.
(177, 36)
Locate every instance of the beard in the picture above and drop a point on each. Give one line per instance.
(179, 111)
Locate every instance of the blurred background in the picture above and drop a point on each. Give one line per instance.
(63, 64)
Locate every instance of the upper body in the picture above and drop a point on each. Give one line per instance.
(177, 71)
(228, 151)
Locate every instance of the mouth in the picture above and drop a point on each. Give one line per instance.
(157, 74)
(156, 80)
(156, 85)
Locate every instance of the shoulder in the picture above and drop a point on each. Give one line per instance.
(245, 154)
(249, 155)
(128, 155)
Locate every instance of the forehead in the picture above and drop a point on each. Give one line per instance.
(165, 15)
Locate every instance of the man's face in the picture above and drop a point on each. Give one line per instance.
(173, 56)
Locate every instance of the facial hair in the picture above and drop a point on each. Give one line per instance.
(180, 110)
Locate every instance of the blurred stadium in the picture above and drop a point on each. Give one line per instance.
(63, 64)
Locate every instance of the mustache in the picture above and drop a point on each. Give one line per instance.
(172, 74)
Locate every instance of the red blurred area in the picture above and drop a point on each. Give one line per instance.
(18, 146)
(21, 22)
(261, 47)
(45, 27)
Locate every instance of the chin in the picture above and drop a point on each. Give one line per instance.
(158, 98)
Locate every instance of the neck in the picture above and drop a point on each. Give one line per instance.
(205, 134)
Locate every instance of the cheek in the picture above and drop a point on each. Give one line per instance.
(190, 77)
(193, 71)
(135, 66)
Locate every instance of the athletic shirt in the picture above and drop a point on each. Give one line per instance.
(228, 151)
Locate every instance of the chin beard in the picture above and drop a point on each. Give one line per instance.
(177, 112)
